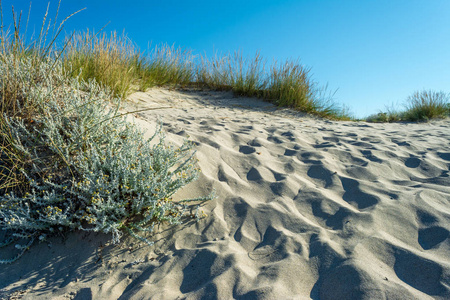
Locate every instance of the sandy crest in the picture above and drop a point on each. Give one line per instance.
(305, 208)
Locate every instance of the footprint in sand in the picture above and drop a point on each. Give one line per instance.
(444, 156)
(421, 273)
(184, 121)
(432, 236)
(331, 139)
(255, 142)
(355, 196)
(254, 175)
(247, 149)
(324, 145)
(334, 221)
(412, 162)
(321, 174)
(289, 152)
(280, 188)
(400, 142)
(289, 135)
(369, 155)
(274, 139)
(207, 141)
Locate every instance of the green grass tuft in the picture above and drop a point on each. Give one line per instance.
(167, 65)
(426, 105)
(287, 85)
(111, 60)
(420, 106)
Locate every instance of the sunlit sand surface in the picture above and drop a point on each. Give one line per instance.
(305, 208)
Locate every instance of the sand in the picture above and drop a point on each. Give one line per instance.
(305, 209)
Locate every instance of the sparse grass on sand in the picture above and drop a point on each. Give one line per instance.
(287, 84)
(420, 106)
(426, 105)
(116, 62)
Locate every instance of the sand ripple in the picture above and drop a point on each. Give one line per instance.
(306, 208)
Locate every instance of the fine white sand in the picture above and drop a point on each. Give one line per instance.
(305, 208)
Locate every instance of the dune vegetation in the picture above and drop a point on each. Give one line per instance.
(116, 62)
(420, 106)
(69, 159)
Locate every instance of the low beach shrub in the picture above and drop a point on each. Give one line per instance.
(390, 114)
(83, 166)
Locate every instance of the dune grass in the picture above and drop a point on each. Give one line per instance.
(287, 84)
(111, 60)
(420, 106)
(389, 115)
(245, 77)
(168, 65)
(427, 104)
(116, 62)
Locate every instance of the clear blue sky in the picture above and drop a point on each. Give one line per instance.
(375, 52)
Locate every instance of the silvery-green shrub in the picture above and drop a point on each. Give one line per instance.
(89, 169)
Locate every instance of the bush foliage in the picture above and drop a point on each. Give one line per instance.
(83, 167)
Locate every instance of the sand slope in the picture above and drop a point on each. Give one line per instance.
(305, 208)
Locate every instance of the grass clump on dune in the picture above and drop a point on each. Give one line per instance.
(420, 106)
(389, 115)
(69, 161)
(245, 77)
(426, 105)
(167, 65)
(114, 61)
(288, 84)
(111, 60)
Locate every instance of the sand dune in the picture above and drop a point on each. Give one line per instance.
(305, 209)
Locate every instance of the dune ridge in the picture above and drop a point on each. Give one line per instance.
(306, 208)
